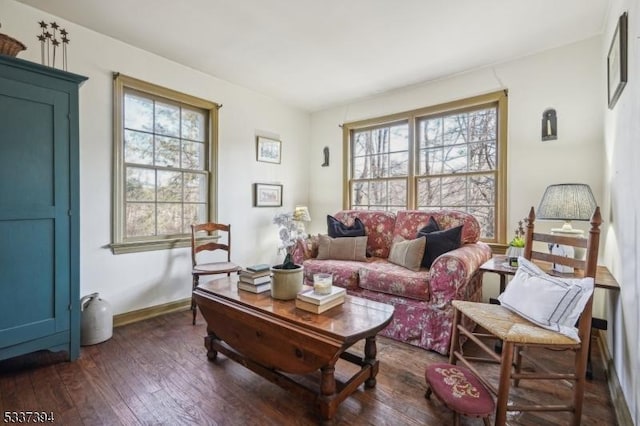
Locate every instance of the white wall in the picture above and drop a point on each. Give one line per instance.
(135, 281)
(622, 210)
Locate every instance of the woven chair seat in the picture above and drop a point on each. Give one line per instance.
(509, 326)
(216, 268)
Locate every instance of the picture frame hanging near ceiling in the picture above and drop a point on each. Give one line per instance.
(268, 150)
(617, 62)
(267, 195)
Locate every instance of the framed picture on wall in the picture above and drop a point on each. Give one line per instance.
(267, 195)
(617, 62)
(268, 150)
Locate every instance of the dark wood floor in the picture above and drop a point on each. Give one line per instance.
(156, 372)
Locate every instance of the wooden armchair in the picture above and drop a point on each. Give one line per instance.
(517, 333)
(209, 268)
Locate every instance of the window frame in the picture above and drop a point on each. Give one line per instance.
(120, 243)
(412, 117)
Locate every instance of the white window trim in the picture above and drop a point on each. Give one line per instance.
(119, 244)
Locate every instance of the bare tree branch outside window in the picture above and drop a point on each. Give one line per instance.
(380, 167)
(457, 164)
(165, 147)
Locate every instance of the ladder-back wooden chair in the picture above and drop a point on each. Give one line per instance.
(517, 333)
(209, 268)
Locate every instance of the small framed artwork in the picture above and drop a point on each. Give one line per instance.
(268, 150)
(267, 195)
(617, 62)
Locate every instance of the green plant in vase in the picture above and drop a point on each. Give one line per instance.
(516, 245)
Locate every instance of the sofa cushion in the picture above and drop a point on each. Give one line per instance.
(378, 226)
(353, 248)
(337, 229)
(408, 222)
(407, 253)
(440, 242)
(392, 279)
(345, 272)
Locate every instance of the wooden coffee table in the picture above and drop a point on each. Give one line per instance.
(272, 337)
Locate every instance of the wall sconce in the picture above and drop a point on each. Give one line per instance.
(549, 125)
(325, 154)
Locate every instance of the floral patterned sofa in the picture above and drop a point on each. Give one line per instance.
(422, 299)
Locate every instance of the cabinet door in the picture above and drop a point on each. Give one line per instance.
(34, 214)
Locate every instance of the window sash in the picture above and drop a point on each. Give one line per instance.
(490, 170)
(177, 158)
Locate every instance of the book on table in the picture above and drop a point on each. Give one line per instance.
(255, 280)
(261, 267)
(318, 309)
(261, 288)
(309, 296)
(250, 274)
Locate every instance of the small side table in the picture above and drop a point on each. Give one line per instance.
(500, 265)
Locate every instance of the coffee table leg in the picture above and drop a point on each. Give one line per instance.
(370, 353)
(327, 400)
(209, 339)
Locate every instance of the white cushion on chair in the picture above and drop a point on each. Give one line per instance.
(551, 302)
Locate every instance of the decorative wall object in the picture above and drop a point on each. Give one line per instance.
(268, 150)
(325, 153)
(267, 195)
(617, 62)
(53, 48)
(549, 125)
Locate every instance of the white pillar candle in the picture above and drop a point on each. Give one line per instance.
(322, 283)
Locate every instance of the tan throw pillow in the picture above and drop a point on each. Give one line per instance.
(345, 248)
(407, 253)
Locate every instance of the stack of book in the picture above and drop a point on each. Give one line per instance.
(256, 278)
(310, 301)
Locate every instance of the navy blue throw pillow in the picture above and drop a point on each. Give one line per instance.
(440, 242)
(430, 227)
(337, 229)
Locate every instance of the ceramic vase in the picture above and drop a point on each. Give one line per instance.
(286, 283)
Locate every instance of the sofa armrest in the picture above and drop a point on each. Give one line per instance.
(451, 272)
(305, 248)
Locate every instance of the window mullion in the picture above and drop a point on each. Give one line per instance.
(413, 153)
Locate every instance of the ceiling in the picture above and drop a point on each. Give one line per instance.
(314, 54)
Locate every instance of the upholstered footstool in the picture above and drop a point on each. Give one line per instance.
(460, 391)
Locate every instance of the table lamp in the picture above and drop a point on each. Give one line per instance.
(301, 215)
(567, 202)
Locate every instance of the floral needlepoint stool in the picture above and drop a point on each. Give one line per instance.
(460, 390)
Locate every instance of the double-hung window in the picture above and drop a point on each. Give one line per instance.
(164, 165)
(450, 156)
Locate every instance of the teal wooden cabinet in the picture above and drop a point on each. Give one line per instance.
(39, 209)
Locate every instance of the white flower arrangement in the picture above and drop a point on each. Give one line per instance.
(288, 232)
